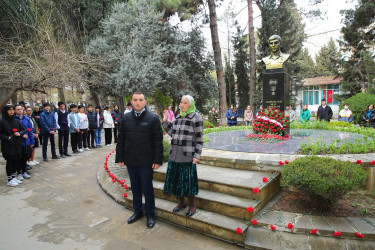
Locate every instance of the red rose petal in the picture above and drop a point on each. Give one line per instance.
(290, 226)
(314, 230)
(281, 163)
(265, 179)
(256, 190)
(125, 195)
(254, 222)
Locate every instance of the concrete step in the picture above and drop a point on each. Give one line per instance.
(233, 182)
(216, 202)
(206, 222)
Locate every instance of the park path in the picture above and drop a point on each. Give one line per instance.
(63, 207)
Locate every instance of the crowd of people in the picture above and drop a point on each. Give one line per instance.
(324, 112)
(23, 129)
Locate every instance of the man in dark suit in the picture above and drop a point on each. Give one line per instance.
(140, 148)
(324, 111)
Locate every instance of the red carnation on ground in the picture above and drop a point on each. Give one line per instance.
(238, 230)
(250, 209)
(126, 187)
(314, 230)
(337, 233)
(255, 190)
(358, 235)
(372, 163)
(358, 162)
(273, 227)
(286, 136)
(286, 162)
(14, 130)
(29, 129)
(290, 226)
(281, 163)
(125, 195)
(254, 222)
(265, 179)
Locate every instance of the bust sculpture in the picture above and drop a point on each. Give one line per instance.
(277, 58)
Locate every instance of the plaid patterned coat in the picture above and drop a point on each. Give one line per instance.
(187, 137)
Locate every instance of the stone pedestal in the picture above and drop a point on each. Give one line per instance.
(276, 90)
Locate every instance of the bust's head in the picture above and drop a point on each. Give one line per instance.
(274, 42)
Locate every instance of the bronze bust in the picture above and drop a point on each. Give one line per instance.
(277, 58)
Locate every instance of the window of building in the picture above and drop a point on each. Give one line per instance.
(313, 94)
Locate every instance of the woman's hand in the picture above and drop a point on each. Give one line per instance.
(17, 134)
(165, 115)
(195, 161)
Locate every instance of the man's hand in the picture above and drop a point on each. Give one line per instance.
(121, 164)
(155, 166)
(77, 129)
(17, 134)
(35, 135)
(25, 136)
(52, 132)
(195, 161)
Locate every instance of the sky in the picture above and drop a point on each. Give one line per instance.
(319, 31)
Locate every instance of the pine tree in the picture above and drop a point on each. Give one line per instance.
(328, 59)
(230, 83)
(241, 62)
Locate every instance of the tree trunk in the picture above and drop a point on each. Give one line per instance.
(252, 55)
(95, 97)
(218, 61)
(61, 95)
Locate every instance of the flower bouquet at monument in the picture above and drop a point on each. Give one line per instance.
(270, 122)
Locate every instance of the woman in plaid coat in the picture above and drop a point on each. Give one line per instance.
(186, 147)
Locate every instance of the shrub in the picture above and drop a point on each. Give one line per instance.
(207, 124)
(166, 149)
(339, 124)
(357, 104)
(323, 179)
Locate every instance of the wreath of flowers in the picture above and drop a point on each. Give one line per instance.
(270, 121)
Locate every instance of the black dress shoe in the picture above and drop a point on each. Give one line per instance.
(68, 155)
(62, 156)
(55, 157)
(134, 217)
(150, 220)
(178, 209)
(189, 214)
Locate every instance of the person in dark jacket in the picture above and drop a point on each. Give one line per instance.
(117, 117)
(62, 125)
(232, 115)
(11, 132)
(92, 118)
(140, 148)
(48, 130)
(324, 111)
(36, 115)
(27, 142)
(99, 122)
(369, 116)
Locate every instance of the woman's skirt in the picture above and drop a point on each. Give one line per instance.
(181, 179)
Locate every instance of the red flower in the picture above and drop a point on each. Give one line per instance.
(337, 233)
(318, 117)
(126, 187)
(85, 113)
(275, 125)
(265, 179)
(14, 130)
(113, 180)
(358, 161)
(260, 129)
(254, 222)
(38, 129)
(81, 132)
(372, 163)
(273, 227)
(100, 117)
(163, 133)
(273, 108)
(314, 230)
(281, 163)
(266, 123)
(266, 127)
(273, 131)
(286, 162)
(358, 235)
(290, 226)
(238, 230)
(29, 129)
(125, 195)
(250, 209)
(278, 129)
(286, 136)
(52, 128)
(116, 118)
(94, 130)
(255, 190)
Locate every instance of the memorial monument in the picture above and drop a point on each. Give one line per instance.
(275, 84)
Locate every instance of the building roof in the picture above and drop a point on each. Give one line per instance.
(322, 80)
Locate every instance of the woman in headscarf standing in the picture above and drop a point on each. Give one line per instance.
(186, 148)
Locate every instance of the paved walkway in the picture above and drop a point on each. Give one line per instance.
(63, 207)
